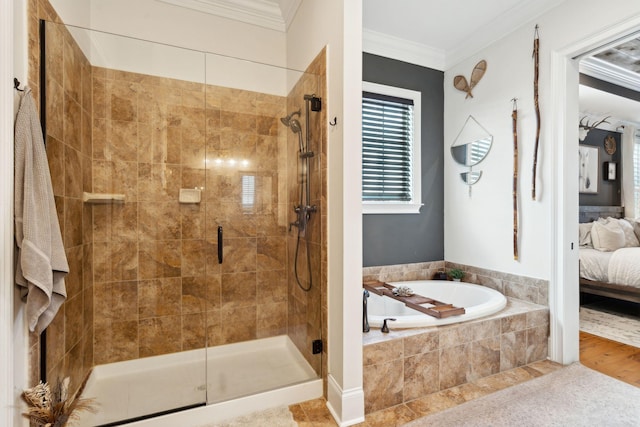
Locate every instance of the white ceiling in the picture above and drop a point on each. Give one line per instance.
(596, 104)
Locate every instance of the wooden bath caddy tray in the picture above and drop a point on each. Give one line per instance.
(440, 309)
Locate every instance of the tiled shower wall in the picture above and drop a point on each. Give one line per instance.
(68, 141)
(158, 285)
(308, 310)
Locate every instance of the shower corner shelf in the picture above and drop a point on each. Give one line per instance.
(102, 198)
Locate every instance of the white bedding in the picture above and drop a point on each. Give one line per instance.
(620, 267)
(594, 264)
(624, 267)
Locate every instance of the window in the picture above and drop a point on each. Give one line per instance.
(390, 150)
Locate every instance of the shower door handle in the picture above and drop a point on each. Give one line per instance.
(220, 245)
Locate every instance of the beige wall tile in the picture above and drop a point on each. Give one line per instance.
(73, 280)
(72, 123)
(383, 385)
(73, 321)
(193, 331)
(421, 375)
(73, 173)
(159, 297)
(239, 255)
(484, 358)
(454, 365)
(513, 350)
(238, 290)
(159, 258)
(271, 319)
(422, 343)
(382, 352)
(55, 157)
(238, 324)
(160, 335)
(116, 301)
(115, 341)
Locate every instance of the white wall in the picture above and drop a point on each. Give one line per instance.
(13, 332)
(165, 23)
(478, 229)
(337, 24)
(243, 56)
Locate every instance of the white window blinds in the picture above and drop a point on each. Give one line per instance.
(387, 140)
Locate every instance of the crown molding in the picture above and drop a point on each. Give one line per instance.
(288, 9)
(271, 14)
(402, 50)
(608, 72)
(512, 19)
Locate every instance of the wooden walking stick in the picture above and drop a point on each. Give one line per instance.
(536, 76)
(514, 119)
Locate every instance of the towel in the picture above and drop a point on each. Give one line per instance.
(41, 261)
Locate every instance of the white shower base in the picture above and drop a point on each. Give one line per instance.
(242, 378)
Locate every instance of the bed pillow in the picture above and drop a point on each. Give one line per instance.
(607, 237)
(585, 234)
(636, 226)
(631, 240)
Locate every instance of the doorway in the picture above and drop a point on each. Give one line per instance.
(564, 291)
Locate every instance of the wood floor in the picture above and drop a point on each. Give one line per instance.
(612, 358)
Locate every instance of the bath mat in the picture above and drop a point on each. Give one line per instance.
(574, 396)
(618, 327)
(275, 417)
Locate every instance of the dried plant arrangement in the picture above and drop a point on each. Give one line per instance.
(536, 77)
(55, 408)
(514, 119)
(460, 82)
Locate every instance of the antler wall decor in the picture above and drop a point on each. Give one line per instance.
(460, 82)
(586, 127)
(536, 76)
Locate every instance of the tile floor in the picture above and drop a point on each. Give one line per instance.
(314, 413)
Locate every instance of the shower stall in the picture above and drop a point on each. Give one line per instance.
(191, 201)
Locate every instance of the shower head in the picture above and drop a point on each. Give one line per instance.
(295, 126)
(291, 122)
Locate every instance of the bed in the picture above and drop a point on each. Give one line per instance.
(612, 271)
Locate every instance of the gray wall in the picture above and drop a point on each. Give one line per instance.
(608, 191)
(407, 238)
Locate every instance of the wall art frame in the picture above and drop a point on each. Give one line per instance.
(588, 169)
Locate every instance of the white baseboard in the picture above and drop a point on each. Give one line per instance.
(346, 406)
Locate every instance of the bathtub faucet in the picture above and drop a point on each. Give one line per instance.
(365, 317)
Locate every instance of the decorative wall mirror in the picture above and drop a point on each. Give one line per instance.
(470, 147)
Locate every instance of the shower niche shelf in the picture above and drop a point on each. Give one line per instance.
(102, 198)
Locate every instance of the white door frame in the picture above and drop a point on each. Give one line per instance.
(564, 295)
(7, 392)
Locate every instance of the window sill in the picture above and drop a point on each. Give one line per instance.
(391, 208)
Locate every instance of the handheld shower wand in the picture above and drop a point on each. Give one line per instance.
(304, 209)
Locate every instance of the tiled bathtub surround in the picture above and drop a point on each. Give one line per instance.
(511, 285)
(400, 272)
(407, 364)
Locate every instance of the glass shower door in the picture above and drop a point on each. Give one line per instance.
(261, 328)
(125, 120)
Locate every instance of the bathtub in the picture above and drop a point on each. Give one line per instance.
(478, 301)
